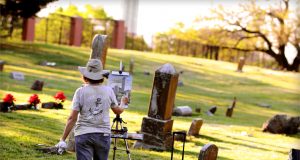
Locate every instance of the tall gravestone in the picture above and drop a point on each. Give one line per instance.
(99, 51)
(241, 64)
(157, 127)
(229, 111)
(99, 48)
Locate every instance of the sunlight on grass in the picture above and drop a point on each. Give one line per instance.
(206, 83)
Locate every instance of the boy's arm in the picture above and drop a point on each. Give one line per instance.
(119, 109)
(70, 124)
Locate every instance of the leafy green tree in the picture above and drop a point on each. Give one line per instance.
(11, 11)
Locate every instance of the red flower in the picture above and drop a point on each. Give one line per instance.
(60, 96)
(9, 98)
(34, 99)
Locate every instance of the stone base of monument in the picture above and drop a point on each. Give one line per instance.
(157, 134)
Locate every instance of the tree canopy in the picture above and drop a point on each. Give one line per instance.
(12, 10)
(268, 30)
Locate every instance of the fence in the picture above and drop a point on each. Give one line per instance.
(55, 29)
(170, 45)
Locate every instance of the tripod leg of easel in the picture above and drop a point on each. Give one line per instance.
(115, 148)
(127, 149)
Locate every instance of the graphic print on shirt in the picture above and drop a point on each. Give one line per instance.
(96, 109)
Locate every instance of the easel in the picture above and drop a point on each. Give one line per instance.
(122, 131)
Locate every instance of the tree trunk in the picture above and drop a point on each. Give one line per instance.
(283, 63)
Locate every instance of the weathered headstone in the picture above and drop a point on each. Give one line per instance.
(49, 105)
(294, 154)
(2, 65)
(198, 110)
(279, 124)
(182, 111)
(17, 76)
(157, 127)
(264, 105)
(146, 73)
(46, 63)
(180, 83)
(211, 111)
(208, 152)
(131, 66)
(22, 106)
(241, 64)
(229, 111)
(99, 48)
(37, 85)
(195, 127)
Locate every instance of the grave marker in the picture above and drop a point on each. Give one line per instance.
(198, 110)
(157, 127)
(37, 85)
(212, 110)
(241, 64)
(229, 111)
(2, 65)
(195, 127)
(17, 76)
(131, 66)
(99, 48)
(182, 111)
(208, 152)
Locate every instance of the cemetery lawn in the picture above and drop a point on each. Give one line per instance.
(206, 83)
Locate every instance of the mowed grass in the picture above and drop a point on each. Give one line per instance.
(206, 83)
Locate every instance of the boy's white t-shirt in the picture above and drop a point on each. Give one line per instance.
(93, 103)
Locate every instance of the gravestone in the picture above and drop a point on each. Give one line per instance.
(49, 64)
(180, 83)
(146, 73)
(99, 48)
(2, 65)
(229, 111)
(37, 85)
(22, 106)
(131, 66)
(294, 154)
(281, 123)
(241, 64)
(182, 111)
(208, 152)
(49, 105)
(198, 110)
(17, 76)
(195, 127)
(157, 127)
(212, 110)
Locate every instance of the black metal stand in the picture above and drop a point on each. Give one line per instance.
(184, 135)
(123, 130)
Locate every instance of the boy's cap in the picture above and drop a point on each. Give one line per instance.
(93, 70)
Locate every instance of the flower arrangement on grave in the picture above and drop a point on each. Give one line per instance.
(8, 103)
(60, 98)
(34, 101)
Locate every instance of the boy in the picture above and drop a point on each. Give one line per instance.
(90, 111)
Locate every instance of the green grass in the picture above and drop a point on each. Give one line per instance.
(206, 83)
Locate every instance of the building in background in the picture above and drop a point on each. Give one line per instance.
(130, 15)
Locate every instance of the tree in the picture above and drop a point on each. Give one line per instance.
(268, 30)
(13, 10)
